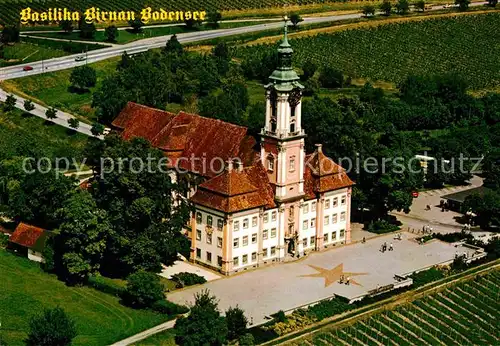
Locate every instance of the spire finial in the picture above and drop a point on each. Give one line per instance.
(285, 19)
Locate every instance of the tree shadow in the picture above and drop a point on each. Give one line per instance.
(78, 91)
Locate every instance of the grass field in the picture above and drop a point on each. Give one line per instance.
(26, 52)
(22, 135)
(99, 317)
(462, 314)
(463, 44)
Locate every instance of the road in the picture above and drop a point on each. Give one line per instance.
(62, 117)
(139, 46)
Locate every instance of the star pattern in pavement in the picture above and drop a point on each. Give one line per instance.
(333, 275)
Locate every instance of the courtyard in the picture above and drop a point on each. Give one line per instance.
(287, 286)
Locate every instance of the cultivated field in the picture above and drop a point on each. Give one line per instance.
(463, 314)
(464, 44)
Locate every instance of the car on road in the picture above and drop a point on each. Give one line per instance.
(80, 58)
(27, 68)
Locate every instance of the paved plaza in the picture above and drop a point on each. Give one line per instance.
(286, 286)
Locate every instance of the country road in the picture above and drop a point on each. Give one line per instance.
(143, 45)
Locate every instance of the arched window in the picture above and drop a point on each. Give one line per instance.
(273, 124)
(292, 127)
(270, 162)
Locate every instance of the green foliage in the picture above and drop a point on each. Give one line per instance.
(328, 308)
(97, 129)
(10, 103)
(10, 34)
(369, 10)
(403, 7)
(105, 285)
(213, 19)
(295, 18)
(168, 308)
(28, 105)
(136, 25)
(420, 5)
(222, 57)
(246, 340)
(381, 227)
(52, 328)
(188, 279)
(74, 123)
(236, 323)
(386, 7)
(51, 113)
(173, 46)
(331, 78)
(83, 77)
(204, 325)
(427, 276)
(295, 321)
(143, 289)
(486, 208)
(309, 68)
(111, 32)
(492, 3)
(66, 25)
(4, 239)
(463, 5)
(87, 30)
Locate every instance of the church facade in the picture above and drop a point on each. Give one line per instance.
(265, 205)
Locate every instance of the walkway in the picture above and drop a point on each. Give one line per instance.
(145, 334)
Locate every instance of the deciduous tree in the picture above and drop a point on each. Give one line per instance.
(83, 77)
(52, 328)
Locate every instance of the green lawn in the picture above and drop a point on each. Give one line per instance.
(22, 135)
(26, 52)
(99, 317)
(53, 89)
(165, 338)
(126, 36)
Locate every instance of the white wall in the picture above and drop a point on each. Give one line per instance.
(202, 243)
(241, 233)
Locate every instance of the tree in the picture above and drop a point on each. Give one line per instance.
(403, 7)
(420, 5)
(246, 340)
(52, 328)
(73, 123)
(51, 113)
(83, 77)
(236, 323)
(222, 57)
(331, 78)
(309, 68)
(66, 26)
(295, 18)
(143, 289)
(97, 129)
(10, 103)
(486, 208)
(204, 325)
(213, 19)
(136, 25)
(191, 23)
(111, 33)
(386, 7)
(369, 10)
(10, 34)
(28, 105)
(174, 46)
(463, 5)
(492, 3)
(81, 238)
(87, 30)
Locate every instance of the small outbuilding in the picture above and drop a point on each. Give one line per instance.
(455, 200)
(29, 241)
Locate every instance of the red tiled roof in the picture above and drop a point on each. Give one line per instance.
(27, 235)
(235, 190)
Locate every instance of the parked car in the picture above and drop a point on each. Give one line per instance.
(414, 194)
(80, 58)
(27, 68)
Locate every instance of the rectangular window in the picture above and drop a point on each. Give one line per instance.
(334, 218)
(273, 232)
(245, 240)
(327, 220)
(342, 234)
(219, 261)
(236, 261)
(254, 256)
(245, 259)
(312, 240)
(292, 163)
(254, 238)
(264, 234)
(254, 221)
(236, 225)
(209, 220)
(236, 243)
(220, 223)
(198, 218)
(198, 253)
(264, 253)
(334, 236)
(273, 216)
(198, 234)
(325, 238)
(305, 223)
(342, 200)
(219, 241)
(327, 203)
(304, 242)
(245, 223)
(209, 238)
(209, 257)
(335, 202)
(342, 216)
(266, 217)
(306, 208)
(273, 251)
(313, 206)
(313, 222)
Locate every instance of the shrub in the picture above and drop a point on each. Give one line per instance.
(107, 286)
(236, 323)
(246, 340)
(4, 239)
(168, 308)
(328, 308)
(52, 328)
(188, 279)
(297, 320)
(331, 78)
(426, 276)
(381, 226)
(143, 289)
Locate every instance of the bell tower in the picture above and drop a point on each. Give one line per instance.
(282, 151)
